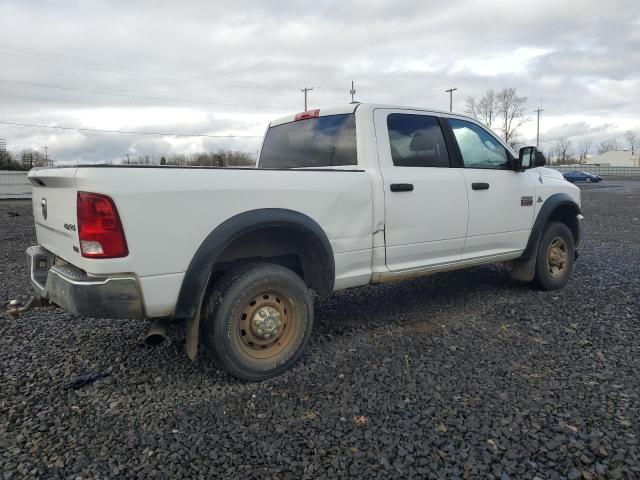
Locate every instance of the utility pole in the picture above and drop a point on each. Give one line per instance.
(538, 110)
(305, 90)
(128, 162)
(450, 92)
(352, 91)
(46, 155)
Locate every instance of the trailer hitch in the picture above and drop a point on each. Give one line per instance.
(15, 310)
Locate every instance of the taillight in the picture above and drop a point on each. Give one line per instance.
(99, 227)
(306, 115)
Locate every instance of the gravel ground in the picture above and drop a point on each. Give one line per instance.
(460, 375)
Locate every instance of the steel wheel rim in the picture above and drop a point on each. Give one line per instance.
(557, 257)
(267, 325)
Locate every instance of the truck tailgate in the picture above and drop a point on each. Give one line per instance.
(54, 210)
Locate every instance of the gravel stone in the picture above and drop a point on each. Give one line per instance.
(539, 385)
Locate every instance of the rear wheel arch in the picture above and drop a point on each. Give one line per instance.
(280, 236)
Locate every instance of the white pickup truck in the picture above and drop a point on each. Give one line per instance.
(341, 197)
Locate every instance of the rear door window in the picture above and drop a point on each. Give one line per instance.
(416, 141)
(327, 141)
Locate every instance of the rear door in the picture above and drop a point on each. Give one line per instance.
(54, 210)
(425, 199)
(501, 200)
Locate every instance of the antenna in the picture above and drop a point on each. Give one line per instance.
(538, 110)
(353, 91)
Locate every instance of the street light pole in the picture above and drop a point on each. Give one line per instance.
(450, 92)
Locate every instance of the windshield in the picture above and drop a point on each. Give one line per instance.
(317, 142)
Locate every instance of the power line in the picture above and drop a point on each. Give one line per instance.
(146, 97)
(53, 57)
(127, 132)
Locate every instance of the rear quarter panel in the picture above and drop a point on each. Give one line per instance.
(167, 212)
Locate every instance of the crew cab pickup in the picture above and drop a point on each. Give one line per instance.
(340, 198)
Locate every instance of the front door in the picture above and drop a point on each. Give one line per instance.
(501, 200)
(426, 208)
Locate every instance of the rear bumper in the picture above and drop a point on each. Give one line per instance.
(116, 296)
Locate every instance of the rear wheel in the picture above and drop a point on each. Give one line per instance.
(556, 254)
(257, 320)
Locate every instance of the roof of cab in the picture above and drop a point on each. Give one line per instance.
(351, 108)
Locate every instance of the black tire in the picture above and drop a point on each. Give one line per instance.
(588, 180)
(555, 257)
(242, 342)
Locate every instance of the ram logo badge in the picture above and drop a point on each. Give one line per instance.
(526, 201)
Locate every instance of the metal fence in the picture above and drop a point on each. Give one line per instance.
(14, 185)
(602, 170)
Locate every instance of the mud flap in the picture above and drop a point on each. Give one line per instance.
(192, 333)
(522, 270)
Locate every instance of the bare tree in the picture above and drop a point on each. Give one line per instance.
(516, 142)
(563, 146)
(9, 161)
(632, 140)
(484, 109)
(32, 158)
(511, 109)
(549, 152)
(584, 148)
(504, 109)
(608, 145)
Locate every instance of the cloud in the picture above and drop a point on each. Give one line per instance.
(578, 59)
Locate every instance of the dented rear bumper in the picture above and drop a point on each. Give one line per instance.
(112, 296)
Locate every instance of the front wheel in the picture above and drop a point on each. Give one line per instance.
(257, 320)
(588, 180)
(556, 254)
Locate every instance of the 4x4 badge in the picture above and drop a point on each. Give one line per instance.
(43, 204)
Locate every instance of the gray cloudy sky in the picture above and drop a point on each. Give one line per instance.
(224, 68)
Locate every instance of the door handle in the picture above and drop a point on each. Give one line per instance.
(480, 186)
(401, 187)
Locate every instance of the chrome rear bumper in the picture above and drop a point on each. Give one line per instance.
(116, 296)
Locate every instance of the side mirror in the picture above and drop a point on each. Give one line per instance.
(541, 161)
(526, 158)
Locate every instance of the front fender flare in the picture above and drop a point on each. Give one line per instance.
(548, 207)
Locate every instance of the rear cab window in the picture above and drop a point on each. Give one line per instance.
(327, 141)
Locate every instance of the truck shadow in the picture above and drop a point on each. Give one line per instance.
(407, 301)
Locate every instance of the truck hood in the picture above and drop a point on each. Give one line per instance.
(550, 173)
